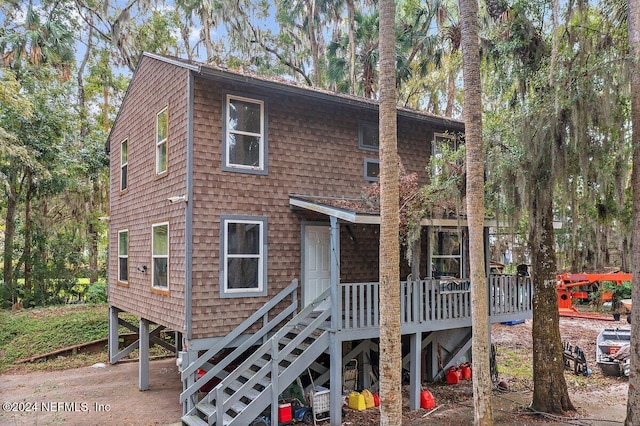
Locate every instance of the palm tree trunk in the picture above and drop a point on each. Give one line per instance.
(390, 342)
(633, 403)
(352, 46)
(475, 209)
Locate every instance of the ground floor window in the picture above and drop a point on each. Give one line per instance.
(243, 248)
(123, 256)
(160, 256)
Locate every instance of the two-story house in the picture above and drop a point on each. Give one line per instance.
(229, 226)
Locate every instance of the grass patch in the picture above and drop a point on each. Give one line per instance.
(30, 332)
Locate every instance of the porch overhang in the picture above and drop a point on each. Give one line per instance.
(351, 210)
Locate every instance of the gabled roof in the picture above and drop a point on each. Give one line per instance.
(284, 85)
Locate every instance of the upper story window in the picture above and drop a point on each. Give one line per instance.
(162, 134)
(368, 135)
(123, 256)
(243, 247)
(371, 170)
(160, 256)
(444, 146)
(245, 140)
(124, 162)
(446, 253)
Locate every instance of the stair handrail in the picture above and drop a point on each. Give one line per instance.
(267, 348)
(223, 363)
(240, 329)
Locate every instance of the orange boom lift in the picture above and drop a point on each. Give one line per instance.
(578, 286)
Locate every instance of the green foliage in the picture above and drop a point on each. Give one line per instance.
(38, 331)
(618, 292)
(97, 293)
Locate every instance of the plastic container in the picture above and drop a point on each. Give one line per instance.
(376, 400)
(368, 398)
(426, 400)
(285, 414)
(356, 401)
(465, 370)
(453, 376)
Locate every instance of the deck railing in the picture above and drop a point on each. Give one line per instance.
(432, 300)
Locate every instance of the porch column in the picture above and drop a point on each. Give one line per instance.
(335, 345)
(113, 333)
(143, 355)
(415, 365)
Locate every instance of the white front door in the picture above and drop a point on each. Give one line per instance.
(317, 262)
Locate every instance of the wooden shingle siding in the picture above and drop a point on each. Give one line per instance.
(312, 149)
(156, 85)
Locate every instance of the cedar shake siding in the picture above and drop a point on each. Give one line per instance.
(144, 202)
(312, 148)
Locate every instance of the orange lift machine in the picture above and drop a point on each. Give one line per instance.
(579, 286)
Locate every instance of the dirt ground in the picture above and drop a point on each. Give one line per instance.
(110, 396)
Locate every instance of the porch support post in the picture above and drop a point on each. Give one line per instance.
(143, 355)
(113, 333)
(415, 373)
(335, 345)
(335, 385)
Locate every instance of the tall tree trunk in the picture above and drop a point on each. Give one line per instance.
(313, 41)
(575, 254)
(475, 210)
(390, 343)
(92, 231)
(633, 403)
(451, 91)
(550, 393)
(9, 238)
(28, 233)
(352, 46)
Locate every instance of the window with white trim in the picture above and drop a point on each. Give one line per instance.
(368, 135)
(446, 253)
(123, 256)
(245, 135)
(160, 256)
(243, 248)
(162, 135)
(124, 163)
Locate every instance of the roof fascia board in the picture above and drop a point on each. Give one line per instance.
(329, 97)
(326, 210)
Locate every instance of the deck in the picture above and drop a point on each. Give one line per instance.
(430, 305)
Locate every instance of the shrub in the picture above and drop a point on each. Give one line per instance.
(97, 292)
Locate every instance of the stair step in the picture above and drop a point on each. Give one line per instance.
(249, 393)
(193, 420)
(206, 408)
(261, 362)
(239, 407)
(302, 346)
(209, 410)
(248, 375)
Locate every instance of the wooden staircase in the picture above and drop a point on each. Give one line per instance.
(256, 383)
